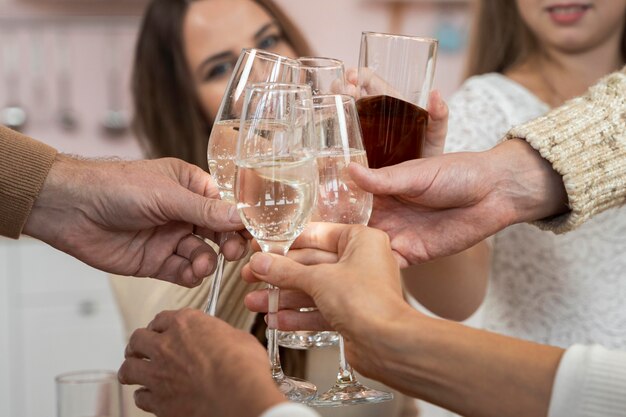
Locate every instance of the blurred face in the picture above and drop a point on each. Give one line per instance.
(573, 26)
(214, 32)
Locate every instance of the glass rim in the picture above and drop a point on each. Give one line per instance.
(337, 62)
(424, 39)
(345, 98)
(88, 376)
(289, 87)
(267, 54)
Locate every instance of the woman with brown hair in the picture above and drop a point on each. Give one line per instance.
(526, 57)
(185, 54)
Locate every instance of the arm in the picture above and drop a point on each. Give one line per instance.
(465, 370)
(452, 287)
(585, 142)
(441, 205)
(136, 218)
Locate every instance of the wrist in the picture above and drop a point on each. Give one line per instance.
(531, 188)
(57, 198)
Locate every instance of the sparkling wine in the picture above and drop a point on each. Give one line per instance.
(276, 196)
(221, 156)
(393, 130)
(339, 200)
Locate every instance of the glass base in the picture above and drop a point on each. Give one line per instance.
(307, 340)
(295, 389)
(352, 393)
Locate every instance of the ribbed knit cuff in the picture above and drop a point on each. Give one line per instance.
(585, 140)
(590, 382)
(290, 410)
(24, 166)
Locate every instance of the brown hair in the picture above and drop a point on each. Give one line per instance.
(500, 38)
(168, 118)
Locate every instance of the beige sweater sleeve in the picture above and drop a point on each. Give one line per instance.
(24, 166)
(585, 140)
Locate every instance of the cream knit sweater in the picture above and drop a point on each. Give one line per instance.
(585, 141)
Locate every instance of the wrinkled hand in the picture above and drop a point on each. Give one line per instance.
(135, 218)
(193, 365)
(439, 206)
(347, 271)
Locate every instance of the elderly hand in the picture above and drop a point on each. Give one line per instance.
(193, 365)
(135, 218)
(439, 206)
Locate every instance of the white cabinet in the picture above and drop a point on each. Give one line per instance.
(58, 315)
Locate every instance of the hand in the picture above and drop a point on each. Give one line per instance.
(135, 218)
(362, 286)
(439, 206)
(194, 365)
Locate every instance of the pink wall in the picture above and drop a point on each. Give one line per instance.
(333, 26)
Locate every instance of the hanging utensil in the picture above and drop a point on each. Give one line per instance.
(66, 116)
(115, 122)
(12, 114)
(39, 108)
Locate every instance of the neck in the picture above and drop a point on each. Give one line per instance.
(569, 75)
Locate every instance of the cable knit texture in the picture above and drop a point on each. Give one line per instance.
(553, 289)
(585, 140)
(24, 166)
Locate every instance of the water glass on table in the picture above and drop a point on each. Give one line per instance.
(89, 394)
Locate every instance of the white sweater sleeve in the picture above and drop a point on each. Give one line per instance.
(290, 410)
(590, 382)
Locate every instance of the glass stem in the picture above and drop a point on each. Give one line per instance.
(272, 341)
(216, 285)
(345, 374)
(272, 310)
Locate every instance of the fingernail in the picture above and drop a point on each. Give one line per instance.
(233, 215)
(260, 263)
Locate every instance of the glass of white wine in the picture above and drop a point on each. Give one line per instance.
(275, 187)
(324, 76)
(340, 200)
(253, 66)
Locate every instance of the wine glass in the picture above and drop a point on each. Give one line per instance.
(275, 187)
(340, 200)
(253, 66)
(395, 78)
(89, 394)
(324, 76)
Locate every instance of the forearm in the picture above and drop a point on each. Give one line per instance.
(468, 371)
(585, 142)
(452, 287)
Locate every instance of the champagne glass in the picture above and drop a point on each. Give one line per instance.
(275, 187)
(89, 394)
(324, 76)
(253, 66)
(395, 78)
(340, 200)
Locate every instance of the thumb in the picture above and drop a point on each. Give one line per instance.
(205, 213)
(401, 179)
(281, 271)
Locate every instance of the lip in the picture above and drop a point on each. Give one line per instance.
(567, 13)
